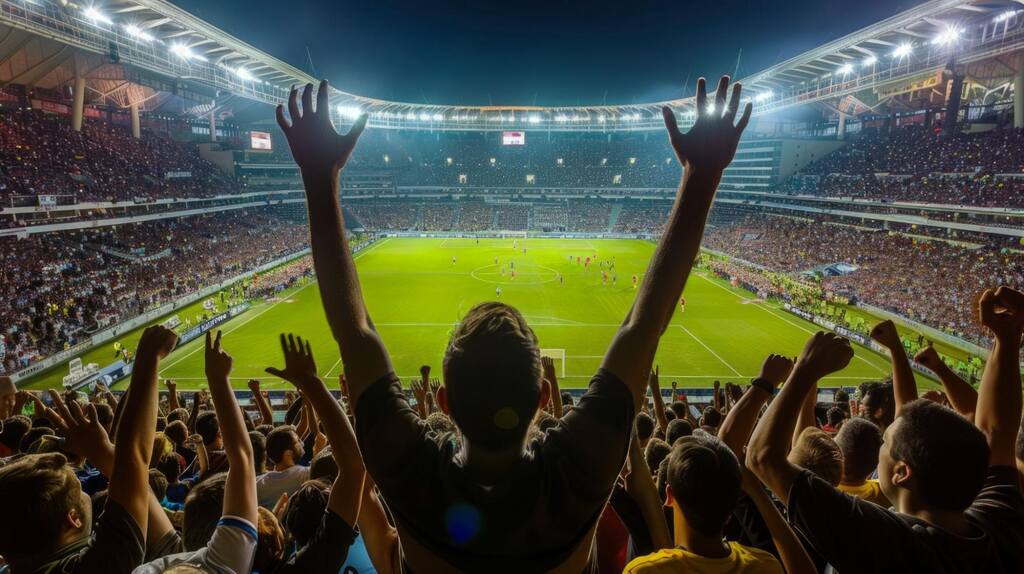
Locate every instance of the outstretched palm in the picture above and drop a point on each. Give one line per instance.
(316, 146)
(299, 366)
(711, 142)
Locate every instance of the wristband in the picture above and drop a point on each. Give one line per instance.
(764, 385)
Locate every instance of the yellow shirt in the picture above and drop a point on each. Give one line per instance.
(870, 491)
(741, 559)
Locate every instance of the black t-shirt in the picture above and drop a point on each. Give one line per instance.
(326, 551)
(857, 536)
(535, 517)
(117, 546)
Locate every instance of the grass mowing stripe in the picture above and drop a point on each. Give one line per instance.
(709, 349)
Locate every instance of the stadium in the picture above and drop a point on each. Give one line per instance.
(146, 182)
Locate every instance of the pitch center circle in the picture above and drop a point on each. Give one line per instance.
(525, 275)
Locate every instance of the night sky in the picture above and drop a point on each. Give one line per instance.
(545, 52)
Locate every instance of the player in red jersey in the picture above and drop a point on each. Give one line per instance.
(682, 304)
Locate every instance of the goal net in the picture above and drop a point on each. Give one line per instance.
(558, 355)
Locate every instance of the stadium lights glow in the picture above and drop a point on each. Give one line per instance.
(349, 112)
(846, 69)
(948, 36)
(763, 96)
(424, 116)
(711, 110)
(902, 51)
(561, 118)
(869, 61)
(534, 119)
(244, 74)
(138, 33)
(96, 16)
(438, 117)
(410, 116)
(185, 53)
(1004, 16)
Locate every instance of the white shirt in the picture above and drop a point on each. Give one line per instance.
(230, 551)
(270, 486)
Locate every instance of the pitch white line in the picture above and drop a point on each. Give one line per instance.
(710, 350)
(327, 373)
(787, 320)
(257, 315)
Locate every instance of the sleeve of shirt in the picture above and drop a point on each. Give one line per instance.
(591, 441)
(1000, 499)
(393, 438)
(232, 547)
(118, 543)
(840, 527)
(326, 551)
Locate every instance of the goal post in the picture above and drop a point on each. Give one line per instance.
(558, 356)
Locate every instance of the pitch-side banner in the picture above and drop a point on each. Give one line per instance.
(513, 138)
(260, 140)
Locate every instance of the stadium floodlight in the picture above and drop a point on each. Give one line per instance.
(349, 112)
(711, 109)
(185, 53)
(410, 116)
(95, 15)
(869, 61)
(424, 116)
(764, 96)
(244, 74)
(534, 119)
(438, 117)
(902, 51)
(948, 36)
(561, 118)
(601, 118)
(138, 33)
(846, 69)
(1003, 17)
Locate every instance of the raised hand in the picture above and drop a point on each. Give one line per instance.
(549, 368)
(316, 146)
(928, 357)
(156, 343)
(299, 366)
(1002, 311)
(885, 334)
(169, 383)
(218, 362)
(776, 369)
(711, 143)
(83, 434)
(419, 390)
(254, 386)
(824, 354)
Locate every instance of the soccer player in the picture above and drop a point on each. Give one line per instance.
(636, 280)
(682, 304)
(497, 291)
(453, 260)
(604, 278)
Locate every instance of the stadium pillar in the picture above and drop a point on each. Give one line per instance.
(213, 126)
(949, 127)
(1018, 98)
(78, 107)
(841, 130)
(136, 125)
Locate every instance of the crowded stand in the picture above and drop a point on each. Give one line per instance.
(493, 469)
(40, 155)
(62, 287)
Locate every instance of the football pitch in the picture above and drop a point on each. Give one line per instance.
(416, 289)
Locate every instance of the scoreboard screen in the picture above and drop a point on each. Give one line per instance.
(260, 140)
(513, 138)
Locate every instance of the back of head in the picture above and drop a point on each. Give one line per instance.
(305, 507)
(264, 429)
(323, 466)
(677, 429)
(170, 466)
(177, 432)
(704, 476)
(178, 414)
(711, 417)
(259, 450)
(14, 429)
(281, 440)
(657, 450)
(678, 408)
(440, 423)
(208, 427)
(32, 436)
(158, 483)
(644, 427)
(947, 455)
(835, 416)
(492, 374)
(203, 508)
(818, 453)
(36, 494)
(859, 440)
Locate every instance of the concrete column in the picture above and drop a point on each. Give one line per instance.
(949, 128)
(213, 126)
(1018, 98)
(136, 124)
(78, 107)
(841, 130)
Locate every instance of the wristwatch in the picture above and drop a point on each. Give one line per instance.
(764, 385)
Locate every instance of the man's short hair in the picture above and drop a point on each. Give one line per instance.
(544, 421)
(323, 466)
(859, 440)
(678, 408)
(208, 427)
(670, 415)
(818, 453)
(704, 475)
(36, 494)
(170, 466)
(14, 429)
(178, 414)
(281, 440)
(711, 417)
(948, 455)
(657, 450)
(203, 508)
(305, 509)
(158, 483)
(440, 423)
(259, 449)
(177, 432)
(834, 416)
(676, 430)
(880, 403)
(644, 426)
(493, 375)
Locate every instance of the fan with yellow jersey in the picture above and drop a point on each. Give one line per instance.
(740, 559)
(870, 491)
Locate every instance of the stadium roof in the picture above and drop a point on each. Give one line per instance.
(161, 49)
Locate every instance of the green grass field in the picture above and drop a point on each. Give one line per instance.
(416, 294)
